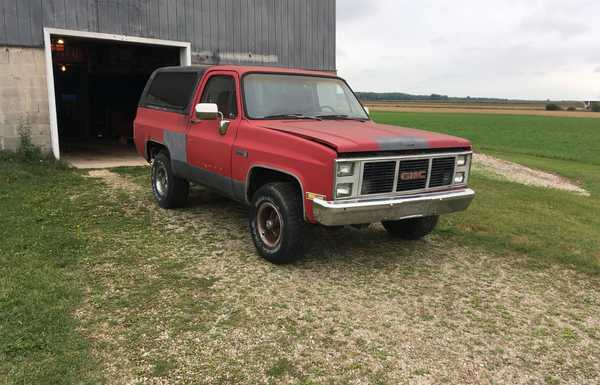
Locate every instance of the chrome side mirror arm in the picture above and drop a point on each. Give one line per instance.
(223, 124)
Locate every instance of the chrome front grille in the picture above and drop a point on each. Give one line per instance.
(405, 175)
(442, 172)
(378, 178)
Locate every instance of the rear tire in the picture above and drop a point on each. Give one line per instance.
(412, 229)
(277, 223)
(169, 191)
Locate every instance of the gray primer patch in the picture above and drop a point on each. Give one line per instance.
(402, 143)
(176, 143)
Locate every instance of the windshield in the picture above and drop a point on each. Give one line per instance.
(270, 96)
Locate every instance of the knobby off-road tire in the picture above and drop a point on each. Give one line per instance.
(277, 222)
(169, 191)
(412, 229)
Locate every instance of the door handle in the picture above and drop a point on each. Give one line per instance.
(242, 153)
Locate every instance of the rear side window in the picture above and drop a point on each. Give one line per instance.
(171, 91)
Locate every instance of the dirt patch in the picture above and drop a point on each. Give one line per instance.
(114, 180)
(525, 175)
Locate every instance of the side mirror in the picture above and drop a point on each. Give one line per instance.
(208, 111)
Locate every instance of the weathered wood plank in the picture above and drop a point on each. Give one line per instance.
(284, 54)
(189, 20)
(153, 27)
(71, 14)
(243, 27)
(92, 19)
(331, 33)
(310, 33)
(36, 23)
(24, 22)
(135, 17)
(172, 19)
(197, 38)
(11, 21)
(60, 16)
(103, 15)
(3, 39)
(163, 18)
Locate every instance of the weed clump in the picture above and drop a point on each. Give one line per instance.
(27, 151)
(553, 107)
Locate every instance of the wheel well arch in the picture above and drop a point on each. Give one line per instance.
(258, 176)
(153, 148)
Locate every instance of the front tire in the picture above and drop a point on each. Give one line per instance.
(412, 229)
(169, 190)
(277, 223)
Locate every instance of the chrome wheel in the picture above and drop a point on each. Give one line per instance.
(161, 178)
(268, 221)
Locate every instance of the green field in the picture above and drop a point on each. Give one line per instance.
(546, 225)
(575, 139)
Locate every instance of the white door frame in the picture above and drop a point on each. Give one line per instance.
(184, 59)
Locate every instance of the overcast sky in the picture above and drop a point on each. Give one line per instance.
(530, 49)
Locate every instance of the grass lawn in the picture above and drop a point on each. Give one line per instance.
(41, 249)
(98, 285)
(547, 225)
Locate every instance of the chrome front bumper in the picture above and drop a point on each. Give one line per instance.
(355, 212)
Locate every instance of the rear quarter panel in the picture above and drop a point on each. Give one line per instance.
(150, 125)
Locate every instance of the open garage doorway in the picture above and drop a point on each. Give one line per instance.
(96, 85)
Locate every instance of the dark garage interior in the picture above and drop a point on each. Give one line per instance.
(97, 86)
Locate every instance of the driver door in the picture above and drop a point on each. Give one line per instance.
(208, 147)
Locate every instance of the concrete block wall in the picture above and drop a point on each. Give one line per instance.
(23, 97)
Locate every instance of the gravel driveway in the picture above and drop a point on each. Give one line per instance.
(183, 298)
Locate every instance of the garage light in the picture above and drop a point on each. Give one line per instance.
(63, 68)
(60, 41)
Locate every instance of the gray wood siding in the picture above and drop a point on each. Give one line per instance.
(293, 33)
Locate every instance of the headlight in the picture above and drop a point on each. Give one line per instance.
(459, 177)
(343, 190)
(461, 160)
(345, 169)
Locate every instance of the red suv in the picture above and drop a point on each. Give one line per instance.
(298, 148)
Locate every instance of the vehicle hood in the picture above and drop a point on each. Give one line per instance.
(355, 136)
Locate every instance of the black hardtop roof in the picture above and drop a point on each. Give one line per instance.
(192, 68)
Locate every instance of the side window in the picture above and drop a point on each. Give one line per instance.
(171, 90)
(221, 90)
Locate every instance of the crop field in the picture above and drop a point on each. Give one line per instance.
(101, 286)
(502, 108)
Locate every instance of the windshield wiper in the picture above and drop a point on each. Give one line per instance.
(340, 117)
(291, 116)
